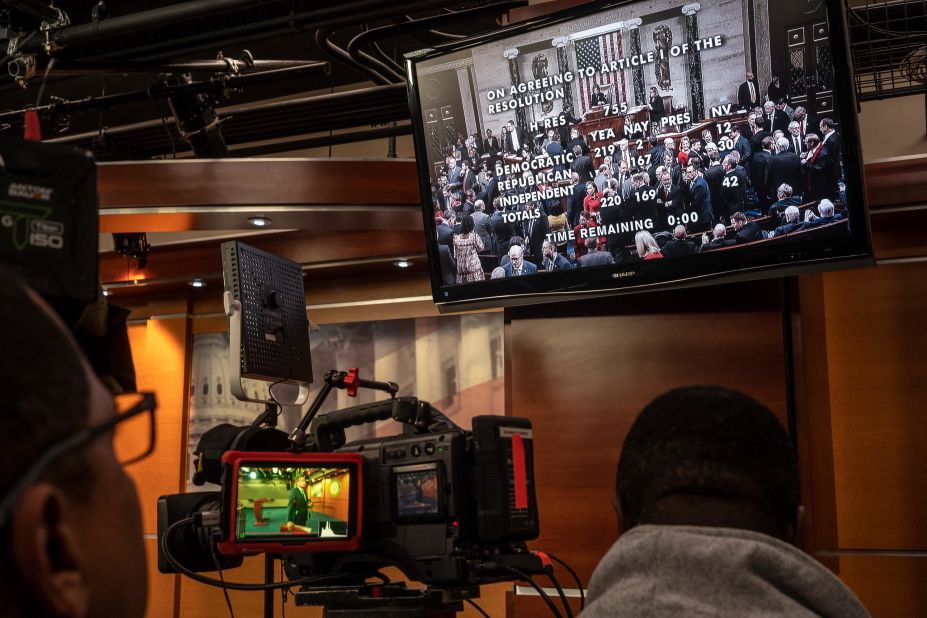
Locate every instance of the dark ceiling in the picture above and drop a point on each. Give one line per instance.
(115, 56)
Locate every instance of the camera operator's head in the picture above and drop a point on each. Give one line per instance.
(709, 456)
(70, 525)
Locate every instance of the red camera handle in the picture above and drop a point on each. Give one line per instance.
(352, 382)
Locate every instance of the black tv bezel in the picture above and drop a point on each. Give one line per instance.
(781, 260)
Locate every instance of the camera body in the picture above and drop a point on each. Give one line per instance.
(439, 501)
(450, 508)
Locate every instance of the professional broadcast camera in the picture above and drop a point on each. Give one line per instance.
(450, 508)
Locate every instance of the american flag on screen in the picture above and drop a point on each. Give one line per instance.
(596, 51)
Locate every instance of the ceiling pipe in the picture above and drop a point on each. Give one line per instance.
(443, 35)
(65, 69)
(386, 58)
(396, 76)
(126, 24)
(322, 140)
(336, 53)
(166, 91)
(250, 122)
(424, 23)
(35, 8)
(331, 17)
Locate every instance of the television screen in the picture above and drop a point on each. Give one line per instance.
(279, 502)
(637, 145)
(416, 490)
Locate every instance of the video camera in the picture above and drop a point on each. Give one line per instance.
(450, 508)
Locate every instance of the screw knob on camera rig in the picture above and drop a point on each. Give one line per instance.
(348, 380)
(351, 382)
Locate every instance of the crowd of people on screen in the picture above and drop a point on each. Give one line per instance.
(775, 173)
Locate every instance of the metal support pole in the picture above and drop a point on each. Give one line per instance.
(268, 579)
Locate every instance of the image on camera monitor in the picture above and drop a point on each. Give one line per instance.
(274, 502)
(417, 493)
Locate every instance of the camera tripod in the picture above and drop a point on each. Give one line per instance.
(392, 600)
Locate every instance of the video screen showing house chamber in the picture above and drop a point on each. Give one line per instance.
(649, 131)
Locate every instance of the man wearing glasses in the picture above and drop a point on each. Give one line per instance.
(70, 525)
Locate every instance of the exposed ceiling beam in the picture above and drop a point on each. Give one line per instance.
(254, 122)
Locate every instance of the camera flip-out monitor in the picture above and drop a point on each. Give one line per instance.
(291, 502)
(513, 126)
(416, 494)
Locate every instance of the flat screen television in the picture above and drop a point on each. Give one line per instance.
(630, 146)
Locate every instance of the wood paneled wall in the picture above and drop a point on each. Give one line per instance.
(159, 352)
(867, 417)
(583, 371)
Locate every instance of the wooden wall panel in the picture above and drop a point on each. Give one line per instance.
(208, 182)
(161, 588)
(815, 449)
(583, 380)
(889, 586)
(159, 354)
(876, 338)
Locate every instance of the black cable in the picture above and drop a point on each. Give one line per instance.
(225, 591)
(387, 58)
(48, 68)
(563, 599)
(283, 594)
(270, 391)
(100, 117)
(527, 579)
(579, 583)
(446, 35)
(165, 550)
(477, 607)
(170, 135)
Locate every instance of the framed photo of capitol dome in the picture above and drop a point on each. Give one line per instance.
(453, 362)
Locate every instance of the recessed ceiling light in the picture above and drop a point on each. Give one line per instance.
(259, 221)
(197, 283)
(402, 263)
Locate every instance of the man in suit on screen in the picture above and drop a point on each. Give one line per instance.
(748, 95)
(299, 504)
(515, 138)
(517, 265)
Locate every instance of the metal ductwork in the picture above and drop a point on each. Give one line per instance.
(121, 63)
(244, 124)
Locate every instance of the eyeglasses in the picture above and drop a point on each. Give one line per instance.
(133, 436)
